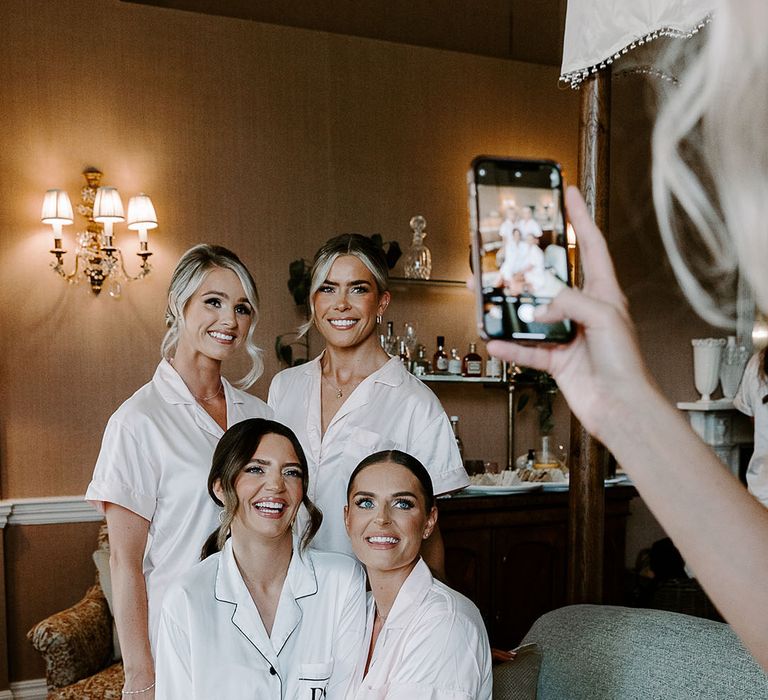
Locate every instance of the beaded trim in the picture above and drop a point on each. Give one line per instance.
(575, 78)
(646, 70)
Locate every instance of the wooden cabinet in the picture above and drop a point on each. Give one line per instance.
(509, 555)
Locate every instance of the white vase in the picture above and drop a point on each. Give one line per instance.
(706, 365)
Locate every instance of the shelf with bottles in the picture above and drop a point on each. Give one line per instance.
(457, 378)
(408, 282)
(512, 379)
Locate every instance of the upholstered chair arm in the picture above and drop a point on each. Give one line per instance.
(76, 642)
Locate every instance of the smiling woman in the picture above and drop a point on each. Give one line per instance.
(422, 639)
(354, 399)
(260, 617)
(150, 475)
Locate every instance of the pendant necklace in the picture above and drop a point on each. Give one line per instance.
(339, 391)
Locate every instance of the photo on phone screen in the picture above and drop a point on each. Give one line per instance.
(519, 246)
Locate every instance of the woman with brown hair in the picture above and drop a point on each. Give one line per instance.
(262, 616)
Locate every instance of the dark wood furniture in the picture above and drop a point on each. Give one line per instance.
(509, 554)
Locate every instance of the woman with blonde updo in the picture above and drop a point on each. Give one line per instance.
(155, 455)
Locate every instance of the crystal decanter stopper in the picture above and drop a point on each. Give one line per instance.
(418, 260)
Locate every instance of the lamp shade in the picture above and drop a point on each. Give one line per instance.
(107, 207)
(141, 213)
(57, 209)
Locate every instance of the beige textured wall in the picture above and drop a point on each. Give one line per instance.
(265, 139)
(262, 138)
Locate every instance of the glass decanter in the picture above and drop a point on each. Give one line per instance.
(417, 264)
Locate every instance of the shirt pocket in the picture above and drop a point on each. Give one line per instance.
(313, 680)
(361, 443)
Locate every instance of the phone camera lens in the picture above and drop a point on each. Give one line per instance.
(525, 313)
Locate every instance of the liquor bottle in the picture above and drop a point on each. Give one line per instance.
(527, 460)
(422, 365)
(440, 362)
(493, 367)
(454, 362)
(459, 443)
(472, 365)
(403, 355)
(530, 459)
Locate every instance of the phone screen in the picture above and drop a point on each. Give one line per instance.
(519, 246)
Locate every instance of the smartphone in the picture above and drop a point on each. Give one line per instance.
(519, 247)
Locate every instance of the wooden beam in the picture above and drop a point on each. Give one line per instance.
(586, 518)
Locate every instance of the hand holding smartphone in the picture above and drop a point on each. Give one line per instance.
(519, 247)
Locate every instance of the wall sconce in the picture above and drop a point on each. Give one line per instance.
(97, 259)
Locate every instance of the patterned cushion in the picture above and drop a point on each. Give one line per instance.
(103, 686)
(76, 642)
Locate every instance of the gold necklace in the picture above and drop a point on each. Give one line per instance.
(339, 392)
(195, 396)
(381, 617)
(208, 398)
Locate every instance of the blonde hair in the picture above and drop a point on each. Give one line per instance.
(189, 274)
(361, 247)
(710, 164)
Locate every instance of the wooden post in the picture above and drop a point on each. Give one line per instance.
(586, 519)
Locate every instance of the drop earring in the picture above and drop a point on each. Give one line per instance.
(379, 319)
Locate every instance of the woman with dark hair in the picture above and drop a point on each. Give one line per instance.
(262, 616)
(354, 399)
(422, 639)
(156, 452)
